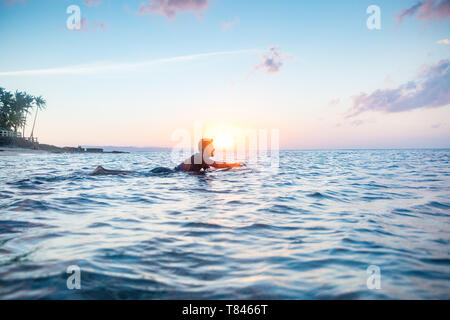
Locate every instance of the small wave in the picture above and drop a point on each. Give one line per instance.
(404, 212)
(278, 208)
(78, 201)
(6, 194)
(98, 225)
(316, 195)
(29, 205)
(261, 226)
(10, 226)
(438, 205)
(203, 225)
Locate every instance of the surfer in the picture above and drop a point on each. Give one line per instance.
(202, 160)
(197, 163)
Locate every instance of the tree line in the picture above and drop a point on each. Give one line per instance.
(15, 108)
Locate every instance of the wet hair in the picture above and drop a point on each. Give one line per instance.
(203, 144)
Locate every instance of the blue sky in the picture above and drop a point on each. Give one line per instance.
(327, 57)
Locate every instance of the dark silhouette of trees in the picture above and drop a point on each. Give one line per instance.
(15, 107)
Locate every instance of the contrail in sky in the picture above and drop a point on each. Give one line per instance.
(97, 68)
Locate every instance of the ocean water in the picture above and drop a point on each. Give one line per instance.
(308, 231)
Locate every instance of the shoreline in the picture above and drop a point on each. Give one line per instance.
(12, 151)
(15, 145)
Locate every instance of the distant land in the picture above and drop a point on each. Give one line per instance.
(129, 148)
(22, 143)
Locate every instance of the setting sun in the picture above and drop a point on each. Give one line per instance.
(224, 137)
(223, 141)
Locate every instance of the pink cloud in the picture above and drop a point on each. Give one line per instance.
(84, 26)
(230, 24)
(427, 10)
(430, 90)
(92, 3)
(272, 61)
(170, 8)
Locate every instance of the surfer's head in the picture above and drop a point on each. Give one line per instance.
(206, 147)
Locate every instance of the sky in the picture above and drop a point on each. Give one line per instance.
(137, 71)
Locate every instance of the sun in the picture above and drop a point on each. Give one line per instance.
(223, 141)
(223, 136)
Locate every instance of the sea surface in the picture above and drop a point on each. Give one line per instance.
(309, 230)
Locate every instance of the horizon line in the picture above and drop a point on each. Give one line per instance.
(284, 149)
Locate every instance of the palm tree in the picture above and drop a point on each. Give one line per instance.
(21, 106)
(15, 107)
(4, 105)
(11, 109)
(40, 105)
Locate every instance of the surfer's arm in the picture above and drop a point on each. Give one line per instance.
(224, 165)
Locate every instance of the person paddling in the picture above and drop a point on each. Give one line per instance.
(197, 163)
(202, 160)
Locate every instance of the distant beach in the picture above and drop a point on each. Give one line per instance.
(13, 151)
(15, 145)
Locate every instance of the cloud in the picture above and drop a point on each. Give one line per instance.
(92, 3)
(408, 12)
(84, 26)
(430, 90)
(334, 102)
(427, 10)
(357, 123)
(124, 67)
(272, 62)
(170, 8)
(230, 24)
(443, 41)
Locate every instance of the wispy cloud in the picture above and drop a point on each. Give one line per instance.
(426, 10)
(435, 126)
(430, 90)
(443, 41)
(272, 61)
(334, 102)
(125, 67)
(170, 8)
(230, 24)
(357, 123)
